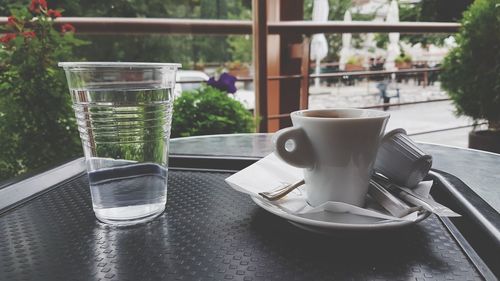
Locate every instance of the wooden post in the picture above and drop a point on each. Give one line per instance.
(302, 52)
(259, 36)
(274, 59)
(274, 56)
(290, 90)
(304, 84)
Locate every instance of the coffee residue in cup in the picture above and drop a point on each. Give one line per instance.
(322, 114)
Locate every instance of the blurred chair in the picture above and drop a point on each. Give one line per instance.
(387, 91)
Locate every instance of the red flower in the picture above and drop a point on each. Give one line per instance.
(7, 38)
(67, 28)
(11, 21)
(36, 5)
(29, 34)
(53, 13)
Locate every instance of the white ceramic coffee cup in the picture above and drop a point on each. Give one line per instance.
(336, 148)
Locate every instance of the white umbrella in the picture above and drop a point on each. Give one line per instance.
(319, 45)
(345, 52)
(450, 42)
(436, 54)
(417, 52)
(393, 50)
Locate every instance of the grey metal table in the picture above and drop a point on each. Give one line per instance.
(211, 232)
(478, 169)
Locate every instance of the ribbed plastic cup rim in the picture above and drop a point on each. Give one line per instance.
(118, 64)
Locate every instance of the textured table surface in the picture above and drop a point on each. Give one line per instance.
(479, 170)
(210, 232)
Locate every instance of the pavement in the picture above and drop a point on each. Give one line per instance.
(433, 122)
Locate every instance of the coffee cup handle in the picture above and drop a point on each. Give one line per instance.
(300, 154)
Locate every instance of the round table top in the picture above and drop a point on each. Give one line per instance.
(478, 169)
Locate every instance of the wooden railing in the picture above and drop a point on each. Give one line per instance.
(260, 28)
(356, 74)
(97, 25)
(93, 25)
(309, 27)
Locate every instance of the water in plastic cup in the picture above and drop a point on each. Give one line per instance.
(124, 113)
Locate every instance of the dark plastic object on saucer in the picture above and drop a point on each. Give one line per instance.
(401, 160)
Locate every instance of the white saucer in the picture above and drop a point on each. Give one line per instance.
(329, 222)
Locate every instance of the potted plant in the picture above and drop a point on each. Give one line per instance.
(200, 66)
(211, 109)
(238, 69)
(403, 61)
(470, 72)
(354, 64)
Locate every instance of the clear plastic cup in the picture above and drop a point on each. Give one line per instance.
(124, 112)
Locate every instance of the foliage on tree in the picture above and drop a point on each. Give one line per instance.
(183, 48)
(471, 71)
(431, 11)
(37, 124)
(241, 46)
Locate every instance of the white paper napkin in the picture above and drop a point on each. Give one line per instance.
(266, 174)
(271, 172)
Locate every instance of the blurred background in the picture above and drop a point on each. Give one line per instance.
(397, 72)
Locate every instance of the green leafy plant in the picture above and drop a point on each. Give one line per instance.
(403, 58)
(240, 47)
(470, 72)
(237, 65)
(381, 40)
(37, 125)
(209, 110)
(355, 60)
